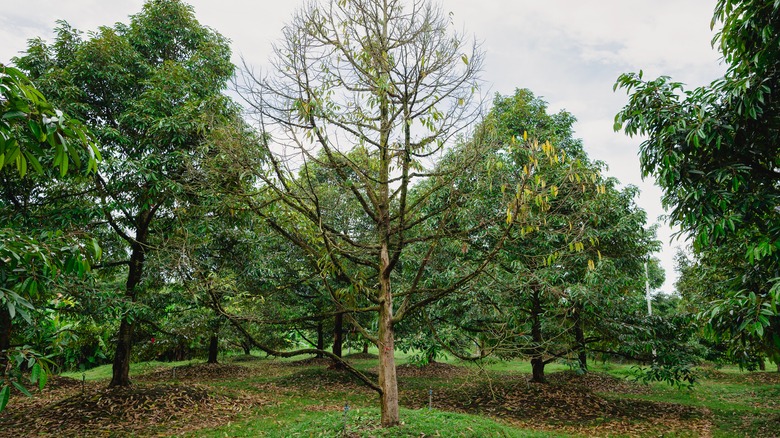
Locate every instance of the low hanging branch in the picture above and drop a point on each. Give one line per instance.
(272, 352)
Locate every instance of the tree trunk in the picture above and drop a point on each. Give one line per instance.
(365, 347)
(247, 348)
(320, 339)
(778, 367)
(213, 348)
(5, 338)
(338, 335)
(761, 364)
(537, 350)
(579, 338)
(537, 370)
(121, 367)
(387, 373)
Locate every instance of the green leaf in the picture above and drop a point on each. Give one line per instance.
(36, 130)
(33, 162)
(43, 378)
(21, 388)
(64, 165)
(35, 373)
(21, 165)
(5, 393)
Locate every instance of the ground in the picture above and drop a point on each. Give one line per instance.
(249, 396)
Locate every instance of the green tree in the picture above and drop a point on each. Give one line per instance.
(33, 132)
(150, 90)
(377, 89)
(713, 150)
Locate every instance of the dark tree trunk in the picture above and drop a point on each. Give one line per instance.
(338, 339)
(247, 348)
(537, 350)
(761, 364)
(5, 338)
(537, 370)
(579, 338)
(121, 366)
(213, 348)
(365, 347)
(320, 338)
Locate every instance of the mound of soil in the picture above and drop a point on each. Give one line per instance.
(124, 411)
(57, 382)
(432, 369)
(597, 382)
(325, 379)
(197, 372)
(361, 356)
(245, 358)
(561, 404)
(754, 377)
(308, 362)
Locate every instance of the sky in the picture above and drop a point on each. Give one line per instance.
(569, 52)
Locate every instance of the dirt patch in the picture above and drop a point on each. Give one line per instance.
(138, 409)
(325, 379)
(196, 372)
(562, 406)
(361, 356)
(753, 377)
(432, 369)
(246, 358)
(324, 361)
(598, 382)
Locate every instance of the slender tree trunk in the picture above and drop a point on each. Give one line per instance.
(247, 348)
(778, 367)
(579, 338)
(537, 350)
(214, 340)
(320, 339)
(338, 335)
(387, 373)
(5, 338)
(365, 347)
(761, 364)
(121, 366)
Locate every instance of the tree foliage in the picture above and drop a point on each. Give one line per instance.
(149, 90)
(33, 132)
(714, 152)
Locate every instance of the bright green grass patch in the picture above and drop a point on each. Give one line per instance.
(296, 422)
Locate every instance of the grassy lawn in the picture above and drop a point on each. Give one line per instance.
(243, 397)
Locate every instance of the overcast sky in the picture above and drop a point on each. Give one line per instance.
(567, 51)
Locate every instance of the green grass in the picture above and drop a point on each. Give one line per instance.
(286, 421)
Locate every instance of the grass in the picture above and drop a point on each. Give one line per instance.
(287, 421)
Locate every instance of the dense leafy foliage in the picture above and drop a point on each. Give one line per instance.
(34, 262)
(149, 90)
(714, 151)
